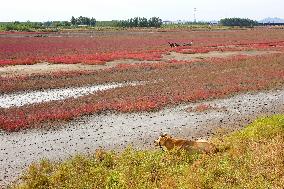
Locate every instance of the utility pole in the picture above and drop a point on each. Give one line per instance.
(194, 14)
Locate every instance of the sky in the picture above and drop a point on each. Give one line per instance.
(206, 10)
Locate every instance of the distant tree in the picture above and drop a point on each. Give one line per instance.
(65, 23)
(143, 22)
(60, 24)
(55, 24)
(124, 23)
(93, 21)
(136, 22)
(83, 21)
(140, 22)
(131, 22)
(73, 20)
(155, 22)
(242, 22)
(47, 24)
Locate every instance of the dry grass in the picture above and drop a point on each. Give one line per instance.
(250, 158)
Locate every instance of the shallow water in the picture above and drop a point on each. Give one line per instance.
(32, 97)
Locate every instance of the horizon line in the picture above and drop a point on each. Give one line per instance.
(182, 20)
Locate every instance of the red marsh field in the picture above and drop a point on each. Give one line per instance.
(69, 92)
(218, 64)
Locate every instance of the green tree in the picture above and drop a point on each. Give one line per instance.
(155, 22)
(143, 22)
(73, 20)
(140, 22)
(242, 22)
(93, 21)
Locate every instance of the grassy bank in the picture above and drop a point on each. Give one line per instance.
(250, 158)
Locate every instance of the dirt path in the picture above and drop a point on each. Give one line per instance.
(115, 131)
(45, 67)
(214, 54)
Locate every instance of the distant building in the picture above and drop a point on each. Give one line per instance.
(175, 22)
(167, 22)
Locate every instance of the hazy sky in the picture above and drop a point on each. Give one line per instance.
(44, 10)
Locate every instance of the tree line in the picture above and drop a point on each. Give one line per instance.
(132, 22)
(141, 22)
(242, 22)
(81, 20)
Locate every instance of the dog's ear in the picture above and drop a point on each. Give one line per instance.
(164, 135)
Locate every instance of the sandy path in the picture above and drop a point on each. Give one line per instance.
(214, 54)
(115, 131)
(45, 67)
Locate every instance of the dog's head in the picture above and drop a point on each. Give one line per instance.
(162, 139)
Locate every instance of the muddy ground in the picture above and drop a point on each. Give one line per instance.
(116, 131)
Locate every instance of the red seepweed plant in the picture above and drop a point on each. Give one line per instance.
(170, 82)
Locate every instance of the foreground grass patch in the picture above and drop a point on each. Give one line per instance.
(250, 158)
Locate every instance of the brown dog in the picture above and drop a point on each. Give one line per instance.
(167, 142)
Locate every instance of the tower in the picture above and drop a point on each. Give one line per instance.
(194, 14)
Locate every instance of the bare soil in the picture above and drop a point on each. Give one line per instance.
(214, 54)
(45, 68)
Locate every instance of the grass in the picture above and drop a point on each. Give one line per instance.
(250, 158)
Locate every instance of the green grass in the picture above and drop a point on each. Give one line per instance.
(250, 158)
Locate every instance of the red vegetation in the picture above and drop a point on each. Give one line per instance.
(169, 82)
(90, 48)
(99, 47)
(171, 85)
